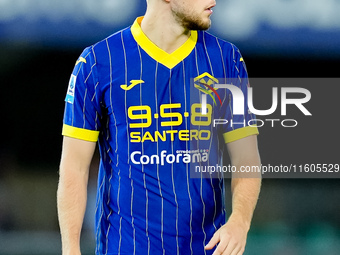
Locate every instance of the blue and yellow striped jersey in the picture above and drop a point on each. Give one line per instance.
(144, 107)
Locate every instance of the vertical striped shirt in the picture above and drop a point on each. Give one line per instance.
(145, 109)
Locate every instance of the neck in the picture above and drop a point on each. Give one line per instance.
(162, 29)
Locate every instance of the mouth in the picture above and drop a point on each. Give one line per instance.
(209, 8)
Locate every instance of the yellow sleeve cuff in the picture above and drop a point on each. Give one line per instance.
(80, 133)
(240, 133)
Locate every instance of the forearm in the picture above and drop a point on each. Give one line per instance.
(71, 198)
(72, 191)
(245, 187)
(231, 237)
(245, 193)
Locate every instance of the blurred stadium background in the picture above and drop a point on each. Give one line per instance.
(41, 40)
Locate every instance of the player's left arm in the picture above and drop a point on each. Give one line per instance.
(231, 237)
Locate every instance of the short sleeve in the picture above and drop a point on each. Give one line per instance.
(238, 125)
(82, 110)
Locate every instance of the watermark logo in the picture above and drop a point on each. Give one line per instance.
(239, 100)
(242, 102)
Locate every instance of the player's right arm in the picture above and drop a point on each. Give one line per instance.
(72, 191)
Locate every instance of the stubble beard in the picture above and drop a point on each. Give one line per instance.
(191, 21)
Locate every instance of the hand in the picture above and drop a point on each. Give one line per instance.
(231, 238)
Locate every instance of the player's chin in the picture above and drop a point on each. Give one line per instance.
(206, 21)
(206, 24)
(201, 24)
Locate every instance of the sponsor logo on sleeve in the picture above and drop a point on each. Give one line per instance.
(70, 90)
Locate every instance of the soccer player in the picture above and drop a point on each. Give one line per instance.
(149, 96)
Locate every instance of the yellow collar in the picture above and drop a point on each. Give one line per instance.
(168, 60)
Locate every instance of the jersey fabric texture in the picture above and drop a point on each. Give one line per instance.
(144, 107)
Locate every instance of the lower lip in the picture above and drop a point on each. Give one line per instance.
(209, 11)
